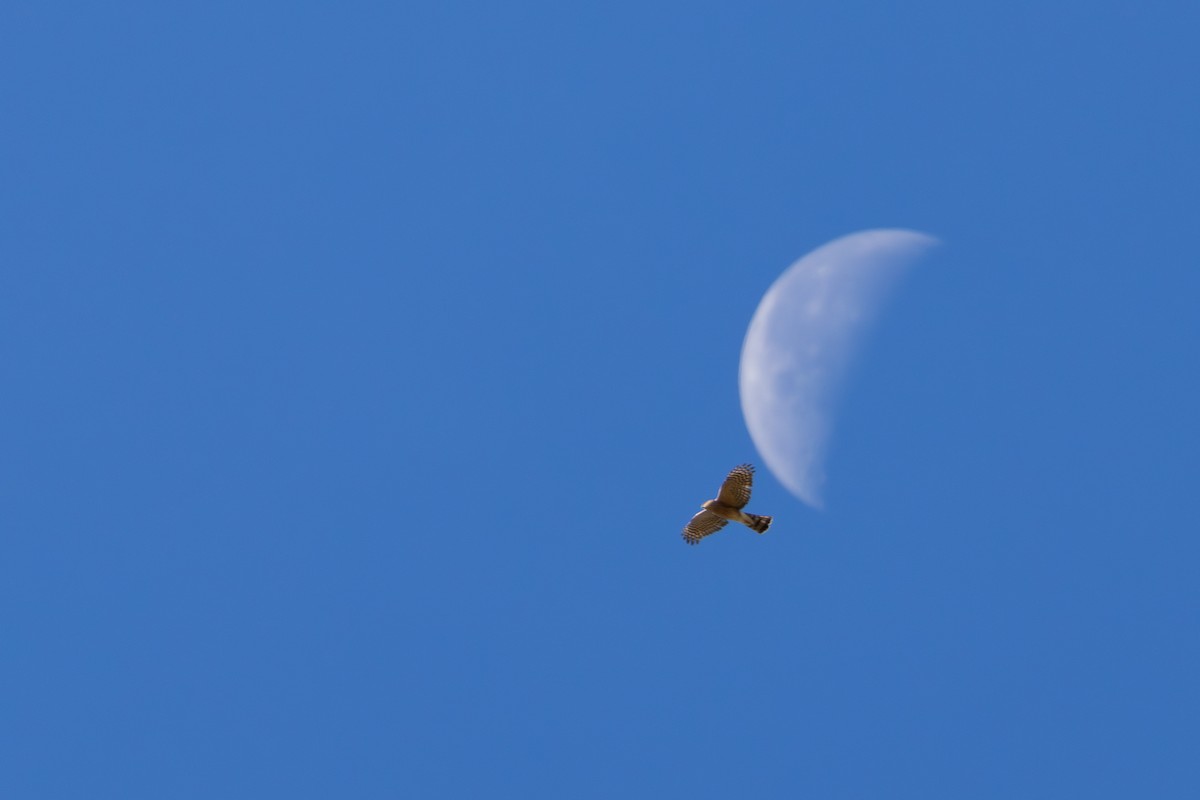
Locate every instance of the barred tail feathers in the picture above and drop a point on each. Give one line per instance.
(757, 523)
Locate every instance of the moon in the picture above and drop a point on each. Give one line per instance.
(802, 340)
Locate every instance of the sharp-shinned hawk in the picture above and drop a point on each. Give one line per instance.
(727, 507)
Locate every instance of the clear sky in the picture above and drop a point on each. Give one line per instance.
(362, 362)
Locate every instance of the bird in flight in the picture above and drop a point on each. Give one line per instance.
(727, 507)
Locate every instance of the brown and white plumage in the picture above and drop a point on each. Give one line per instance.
(727, 507)
(702, 525)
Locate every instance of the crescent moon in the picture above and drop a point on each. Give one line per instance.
(803, 338)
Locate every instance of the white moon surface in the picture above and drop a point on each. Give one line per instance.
(802, 340)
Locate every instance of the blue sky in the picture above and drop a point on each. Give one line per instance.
(363, 361)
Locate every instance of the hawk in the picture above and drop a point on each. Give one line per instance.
(727, 507)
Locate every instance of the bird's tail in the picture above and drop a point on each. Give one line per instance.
(758, 524)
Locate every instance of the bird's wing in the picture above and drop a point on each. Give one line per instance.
(702, 525)
(735, 491)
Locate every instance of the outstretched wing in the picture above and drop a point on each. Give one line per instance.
(702, 525)
(735, 491)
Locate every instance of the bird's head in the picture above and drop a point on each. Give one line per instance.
(708, 504)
